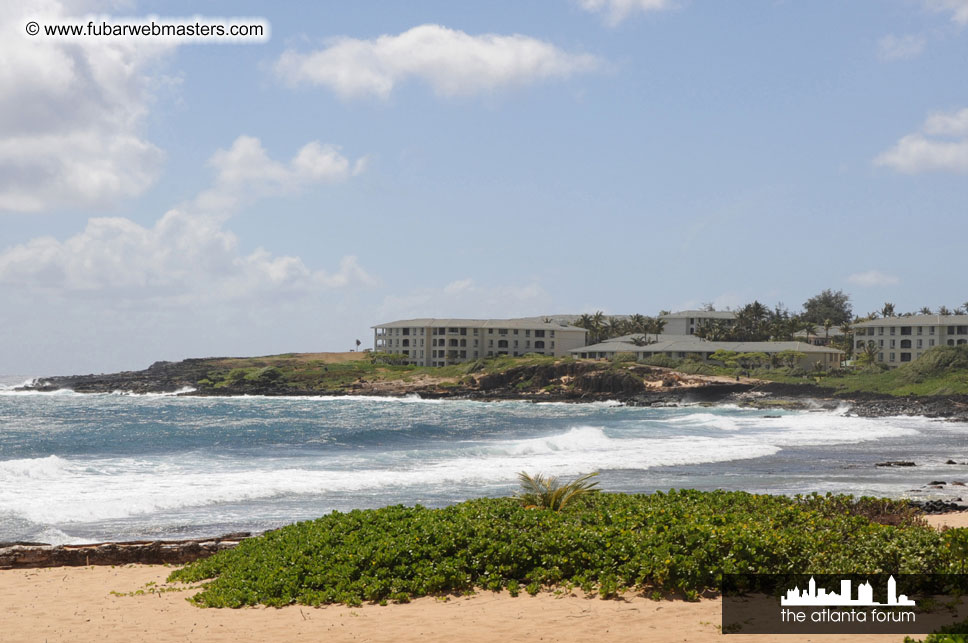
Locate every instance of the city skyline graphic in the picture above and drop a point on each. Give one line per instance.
(813, 596)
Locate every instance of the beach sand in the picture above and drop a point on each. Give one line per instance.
(76, 604)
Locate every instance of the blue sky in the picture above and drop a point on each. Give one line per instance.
(379, 160)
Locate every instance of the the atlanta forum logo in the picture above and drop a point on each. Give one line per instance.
(814, 597)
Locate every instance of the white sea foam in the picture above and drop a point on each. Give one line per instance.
(182, 390)
(714, 420)
(63, 392)
(59, 490)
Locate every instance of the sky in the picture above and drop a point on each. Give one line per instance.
(370, 161)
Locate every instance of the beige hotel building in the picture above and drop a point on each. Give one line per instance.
(441, 342)
(904, 339)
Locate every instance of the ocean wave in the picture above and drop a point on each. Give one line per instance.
(61, 392)
(181, 391)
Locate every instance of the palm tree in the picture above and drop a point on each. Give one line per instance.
(612, 327)
(598, 323)
(639, 340)
(925, 310)
(888, 309)
(943, 310)
(808, 327)
(848, 332)
(637, 323)
(827, 324)
(550, 493)
(869, 352)
(655, 326)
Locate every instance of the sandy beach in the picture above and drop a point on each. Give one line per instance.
(77, 604)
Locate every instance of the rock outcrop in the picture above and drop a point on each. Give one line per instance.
(175, 552)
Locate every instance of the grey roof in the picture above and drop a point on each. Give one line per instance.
(529, 323)
(917, 320)
(818, 331)
(706, 314)
(696, 345)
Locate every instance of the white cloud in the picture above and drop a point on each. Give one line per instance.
(618, 10)
(452, 62)
(924, 151)
(872, 278)
(892, 47)
(245, 170)
(957, 8)
(188, 255)
(953, 124)
(72, 114)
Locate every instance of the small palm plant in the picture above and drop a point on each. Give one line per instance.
(548, 492)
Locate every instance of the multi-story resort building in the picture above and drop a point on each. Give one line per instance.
(903, 339)
(440, 342)
(686, 322)
(819, 335)
(693, 347)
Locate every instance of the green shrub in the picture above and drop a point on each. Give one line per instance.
(662, 360)
(681, 541)
(623, 357)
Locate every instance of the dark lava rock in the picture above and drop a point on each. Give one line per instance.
(614, 382)
(144, 552)
(895, 463)
(938, 482)
(936, 506)
(951, 462)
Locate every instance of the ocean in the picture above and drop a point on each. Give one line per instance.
(90, 468)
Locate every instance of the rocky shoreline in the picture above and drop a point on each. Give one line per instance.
(576, 382)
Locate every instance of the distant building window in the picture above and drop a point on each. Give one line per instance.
(905, 357)
(880, 357)
(905, 330)
(892, 357)
(905, 343)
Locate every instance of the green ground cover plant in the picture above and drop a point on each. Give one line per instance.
(663, 543)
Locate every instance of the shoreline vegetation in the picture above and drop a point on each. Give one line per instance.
(934, 386)
(674, 544)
